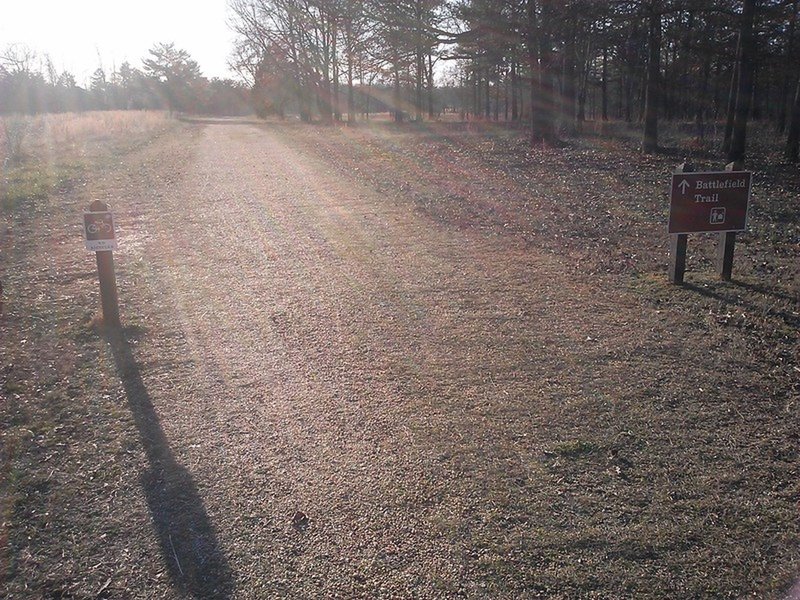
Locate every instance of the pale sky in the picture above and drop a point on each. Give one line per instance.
(80, 34)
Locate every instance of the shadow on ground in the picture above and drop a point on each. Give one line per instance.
(730, 297)
(188, 543)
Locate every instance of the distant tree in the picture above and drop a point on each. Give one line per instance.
(72, 98)
(50, 70)
(67, 80)
(54, 100)
(176, 74)
(120, 86)
(98, 86)
(18, 59)
(22, 88)
(227, 97)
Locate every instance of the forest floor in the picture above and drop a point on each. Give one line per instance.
(396, 362)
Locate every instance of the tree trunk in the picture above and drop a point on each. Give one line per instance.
(497, 99)
(793, 140)
(547, 86)
(487, 109)
(756, 95)
(431, 113)
(337, 109)
(785, 97)
(584, 83)
(542, 89)
(324, 98)
(702, 102)
(419, 52)
(568, 96)
(653, 89)
(604, 83)
(631, 67)
(716, 100)
(420, 74)
(581, 118)
(506, 86)
(687, 108)
(514, 91)
(398, 110)
(476, 95)
(351, 111)
(533, 62)
(744, 91)
(629, 98)
(731, 109)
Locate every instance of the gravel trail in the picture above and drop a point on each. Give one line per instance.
(346, 353)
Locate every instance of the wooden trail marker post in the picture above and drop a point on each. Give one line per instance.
(707, 202)
(678, 243)
(98, 227)
(727, 239)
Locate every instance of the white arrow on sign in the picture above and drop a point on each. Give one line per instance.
(683, 185)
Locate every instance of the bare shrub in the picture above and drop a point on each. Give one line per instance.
(12, 135)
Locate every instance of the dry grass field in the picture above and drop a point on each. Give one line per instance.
(42, 154)
(391, 362)
(42, 136)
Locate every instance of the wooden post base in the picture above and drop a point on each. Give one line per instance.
(677, 257)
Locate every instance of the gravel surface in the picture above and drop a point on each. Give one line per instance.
(325, 392)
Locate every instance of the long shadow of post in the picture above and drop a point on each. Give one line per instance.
(790, 318)
(188, 543)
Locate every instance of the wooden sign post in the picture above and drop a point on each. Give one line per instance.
(707, 202)
(678, 243)
(98, 226)
(727, 239)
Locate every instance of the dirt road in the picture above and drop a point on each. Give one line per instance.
(335, 396)
(361, 365)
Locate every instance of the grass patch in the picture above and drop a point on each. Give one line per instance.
(31, 183)
(12, 387)
(574, 448)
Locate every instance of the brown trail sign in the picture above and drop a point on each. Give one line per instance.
(715, 201)
(707, 202)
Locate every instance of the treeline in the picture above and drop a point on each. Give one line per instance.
(544, 62)
(326, 57)
(168, 80)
